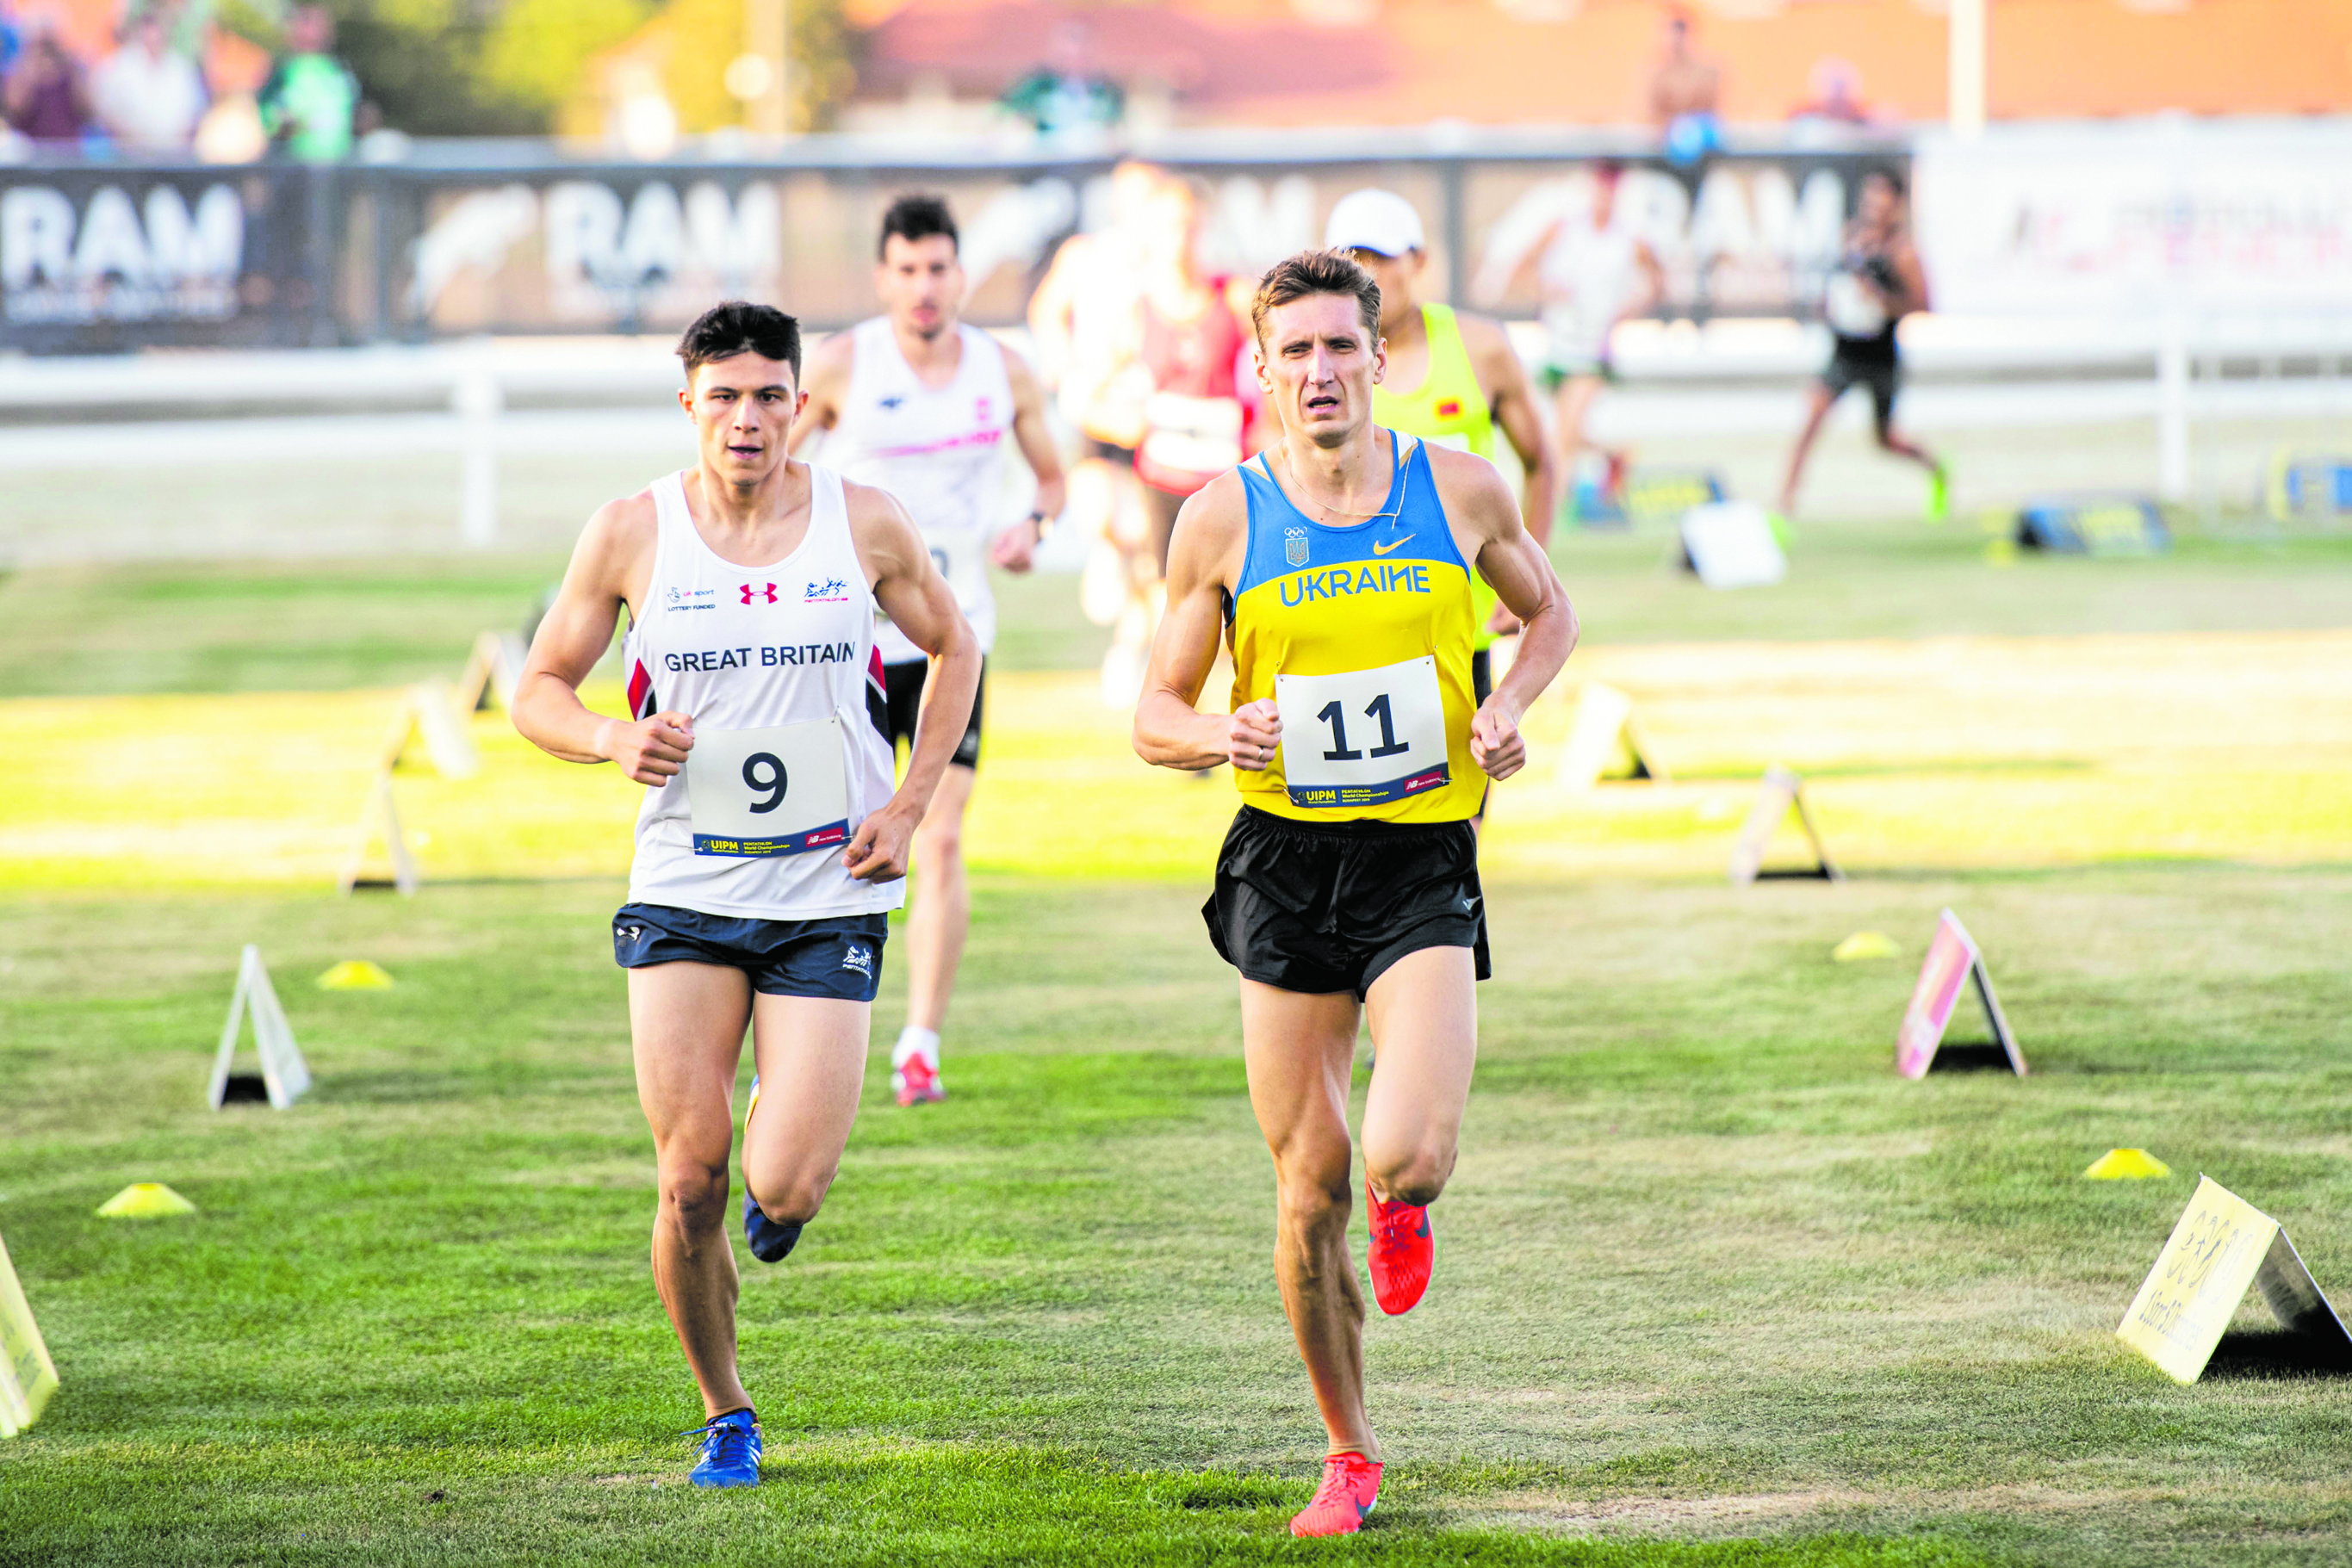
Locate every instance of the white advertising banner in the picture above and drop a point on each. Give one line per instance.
(2122, 218)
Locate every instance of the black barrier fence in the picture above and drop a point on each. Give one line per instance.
(102, 257)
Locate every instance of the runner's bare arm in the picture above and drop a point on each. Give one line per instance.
(1015, 547)
(608, 569)
(1505, 380)
(1914, 278)
(823, 386)
(1204, 560)
(1485, 520)
(1050, 307)
(919, 603)
(1654, 277)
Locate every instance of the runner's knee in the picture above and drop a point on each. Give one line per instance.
(795, 1201)
(941, 839)
(1313, 1192)
(695, 1193)
(1415, 1176)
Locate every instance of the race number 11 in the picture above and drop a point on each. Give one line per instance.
(1364, 736)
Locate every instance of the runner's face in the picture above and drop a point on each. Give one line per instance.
(1877, 202)
(1395, 275)
(920, 282)
(742, 408)
(1316, 364)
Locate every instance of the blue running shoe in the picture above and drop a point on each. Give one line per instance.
(771, 1241)
(730, 1450)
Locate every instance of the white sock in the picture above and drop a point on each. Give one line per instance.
(913, 1041)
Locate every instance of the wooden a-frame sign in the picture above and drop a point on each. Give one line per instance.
(490, 674)
(2221, 1245)
(1780, 793)
(284, 1074)
(379, 818)
(1953, 960)
(1604, 723)
(28, 1375)
(431, 710)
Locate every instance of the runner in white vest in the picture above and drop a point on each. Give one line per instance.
(771, 844)
(919, 405)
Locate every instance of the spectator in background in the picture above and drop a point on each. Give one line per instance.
(147, 95)
(1684, 88)
(46, 97)
(1833, 95)
(1066, 96)
(309, 101)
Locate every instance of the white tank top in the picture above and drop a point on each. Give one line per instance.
(1587, 275)
(941, 451)
(745, 648)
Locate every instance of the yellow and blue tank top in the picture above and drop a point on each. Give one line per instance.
(1361, 631)
(1449, 408)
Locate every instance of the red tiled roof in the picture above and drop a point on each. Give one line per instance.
(1255, 61)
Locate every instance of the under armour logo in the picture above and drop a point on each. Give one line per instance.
(755, 590)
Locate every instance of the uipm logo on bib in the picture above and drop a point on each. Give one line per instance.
(1293, 545)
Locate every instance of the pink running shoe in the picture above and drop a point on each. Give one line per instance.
(1350, 1484)
(1403, 1253)
(917, 1081)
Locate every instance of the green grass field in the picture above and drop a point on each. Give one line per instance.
(1715, 1286)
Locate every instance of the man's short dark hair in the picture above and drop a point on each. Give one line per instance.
(740, 326)
(917, 215)
(1316, 272)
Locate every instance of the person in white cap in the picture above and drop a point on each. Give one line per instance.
(1453, 378)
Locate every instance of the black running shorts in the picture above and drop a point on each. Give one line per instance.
(1322, 907)
(904, 684)
(1866, 363)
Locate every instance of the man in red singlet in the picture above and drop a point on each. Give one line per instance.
(1195, 424)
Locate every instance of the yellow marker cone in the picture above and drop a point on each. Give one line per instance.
(354, 975)
(2126, 1165)
(1865, 945)
(144, 1200)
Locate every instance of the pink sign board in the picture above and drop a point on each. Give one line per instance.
(1952, 960)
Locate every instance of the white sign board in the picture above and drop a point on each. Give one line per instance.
(1731, 544)
(283, 1071)
(2112, 218)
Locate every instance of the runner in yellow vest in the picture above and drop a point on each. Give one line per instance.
(1452, 379)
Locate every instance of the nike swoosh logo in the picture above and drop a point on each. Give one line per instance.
(1380, 549)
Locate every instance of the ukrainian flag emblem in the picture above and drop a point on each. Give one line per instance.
(1293, 545)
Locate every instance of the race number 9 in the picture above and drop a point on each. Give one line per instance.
(764, 772)
(780, 790)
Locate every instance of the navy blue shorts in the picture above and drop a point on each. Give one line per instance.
(840, 955)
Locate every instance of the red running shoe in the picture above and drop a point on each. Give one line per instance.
(1403, 1253)
(917, 1081)
(1350, 1484)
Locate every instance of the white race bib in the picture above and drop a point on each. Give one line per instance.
(1853, 308)
(778, 791)
(1363, 738)
(956, 552)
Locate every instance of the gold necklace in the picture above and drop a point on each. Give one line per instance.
(1328, 509)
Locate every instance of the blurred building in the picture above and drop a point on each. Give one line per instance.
(935, 65)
